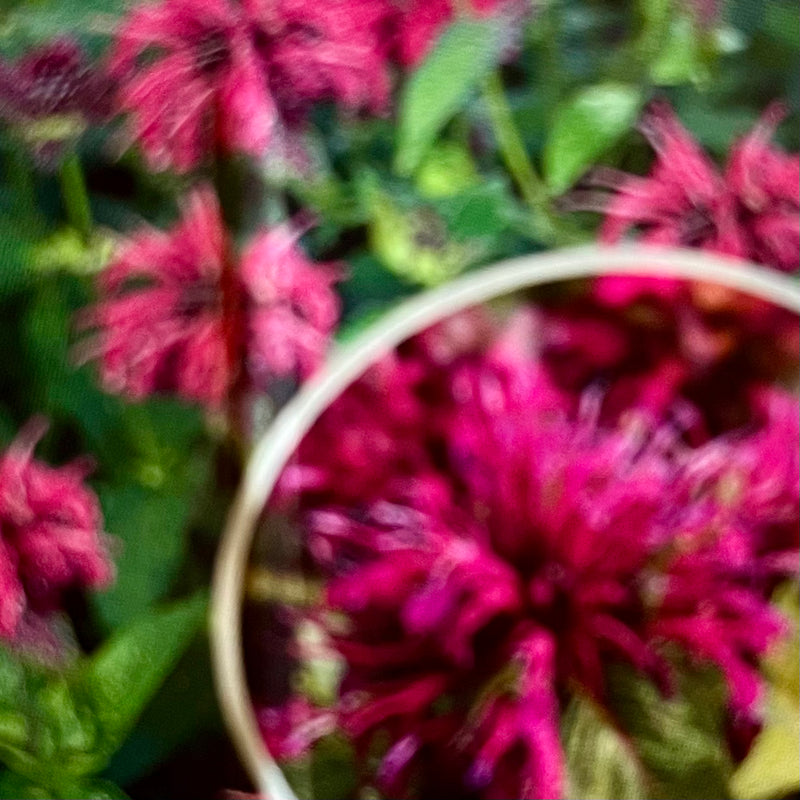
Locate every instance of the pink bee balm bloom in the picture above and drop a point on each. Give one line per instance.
(336, 50)
(555, 547)
(50, 533)
(180, 314)
(765, 181)
(202, 89)
(163, 324)
(750, 211)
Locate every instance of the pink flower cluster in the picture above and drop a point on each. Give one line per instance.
(655, 339)
(205, 76)
(492, 548)
(751, 210)
(50, 534)
(182, 313)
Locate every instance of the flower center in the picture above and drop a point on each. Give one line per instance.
(696, 227)
(550, 592)
(211, 51)
(197, 298)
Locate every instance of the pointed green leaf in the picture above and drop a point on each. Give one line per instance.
(772, 768)
(601, 763)
(121, 678)
(586, 126)
(151, 527)
(465, 53)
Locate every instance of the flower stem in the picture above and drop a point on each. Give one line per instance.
(544, 225)
(511, 147)
(75, 196)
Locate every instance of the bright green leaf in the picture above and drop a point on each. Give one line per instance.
(772, 768)
(680, 57)
(600, 762)
(121, 678)
(586, 126)
(440, 87)
(65, 249)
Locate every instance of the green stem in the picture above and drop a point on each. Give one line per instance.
(75, 196)
(511, 147)
(532, 188)
(551, 76)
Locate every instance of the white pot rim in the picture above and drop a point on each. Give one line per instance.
(350, 361)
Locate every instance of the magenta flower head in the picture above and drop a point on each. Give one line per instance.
(765, 181)
(554, 547)
(336, 50)
(51, 95)
(751, 211)
(50, 534)
(192, 82)
(180, 313)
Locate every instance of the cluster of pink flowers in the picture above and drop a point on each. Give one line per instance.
(227, 75)
(749, 211)
(199, 76)
(656, 338)
(182, 313)
(492, 547)
(50, 535)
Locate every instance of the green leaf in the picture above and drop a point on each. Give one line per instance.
(681, 57)
(772, 768)
(18, 787)
(56, 727)
(586, 126)
(121, 678)
(34, 22)
(333, 769)
(680, 740)
(66, 249)
(439, 88)
(479, 211)
(151, 527)
(160, 731)
(18, 239)
(600, 762)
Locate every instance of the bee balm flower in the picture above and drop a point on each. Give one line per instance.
(50, 533)
(556, 547)
(182, 313)
(191, 81)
